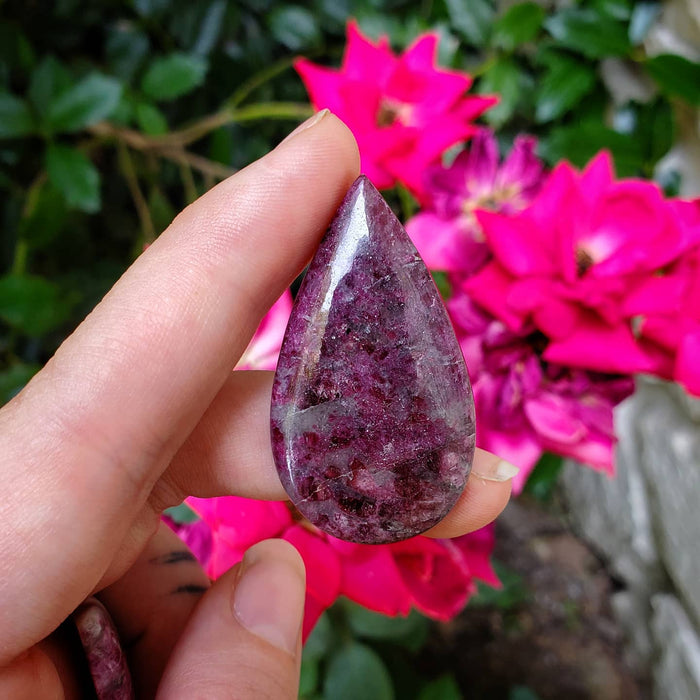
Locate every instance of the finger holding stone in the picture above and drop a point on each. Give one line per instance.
(244, 638)
(82, 446)
(229, 452)
(152, 603)
(484, 497)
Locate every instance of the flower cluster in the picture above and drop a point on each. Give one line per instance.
(435, 576)
(564, 285)
(403, 110)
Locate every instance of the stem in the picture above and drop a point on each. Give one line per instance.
(255, 81)
(126, 165)
(194, 132)
(21, 255)
(188, 182)
(272, 110)
(227, 115)
(484, 66)
(19, 262)
(139, 142)
(208, 168)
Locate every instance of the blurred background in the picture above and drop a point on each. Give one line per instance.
(115, 114)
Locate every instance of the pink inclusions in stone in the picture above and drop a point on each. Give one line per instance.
(372, 411)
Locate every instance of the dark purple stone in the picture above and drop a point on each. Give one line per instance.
(105, 657)
(372, 411)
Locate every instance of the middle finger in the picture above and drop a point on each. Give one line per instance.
(229, 452)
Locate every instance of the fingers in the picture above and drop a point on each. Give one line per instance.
(151, 605)
(57, 667)
(485, 496)
(244, 638)
(31, 675)
(229, 452)
(81, 447)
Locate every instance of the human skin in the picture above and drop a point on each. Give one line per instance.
(138, 409)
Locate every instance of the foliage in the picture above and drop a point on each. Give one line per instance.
(114, 115)
(352, 652)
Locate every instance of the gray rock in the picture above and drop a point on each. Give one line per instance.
(613, 514)
(646, 525)
(677, 667)
(669, 455)
(632, 610)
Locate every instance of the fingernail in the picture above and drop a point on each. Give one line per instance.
(311, 121)
(497, 470)
(269, 597)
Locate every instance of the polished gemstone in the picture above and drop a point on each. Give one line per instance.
(105, 658)
(372, 412)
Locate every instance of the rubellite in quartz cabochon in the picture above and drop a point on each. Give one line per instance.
(372, 412)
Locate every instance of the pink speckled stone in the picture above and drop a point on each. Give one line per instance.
(372, 413)
(103, 650)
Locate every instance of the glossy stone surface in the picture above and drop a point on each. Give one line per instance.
(106, 660)
(372, 414)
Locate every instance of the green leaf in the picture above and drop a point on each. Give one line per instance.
(210, 28)
(16, 52)
(442, 282)
(123, 113)
(126, 49)
(443, 688)
(49, 79)
(222, 145)
(591, 33)
(295, 27)
(655, 130)
(503, 78)
(173, 76)
(44, 217)
(71, 172)
(543, 478)
(644, 15)
(409, 631)
(669, 181)
(522, 692)
(564, 83)
(473, 19)
(308, 680)
(520, 24)
(676, 76)
(580, 142)
(32, 305)
(182, 514)
(15, 117)
(355, 671)
(150, 8)
(512, 592)
(619, 9)
(92, 99)
(14, 378)
(150, 119)
(320, 640)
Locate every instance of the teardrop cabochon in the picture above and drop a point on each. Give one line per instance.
(372, 413)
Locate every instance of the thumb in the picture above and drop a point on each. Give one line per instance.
(244, 637)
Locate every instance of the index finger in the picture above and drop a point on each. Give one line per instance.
(82, 446)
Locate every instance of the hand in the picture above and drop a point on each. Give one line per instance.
(138, 409)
